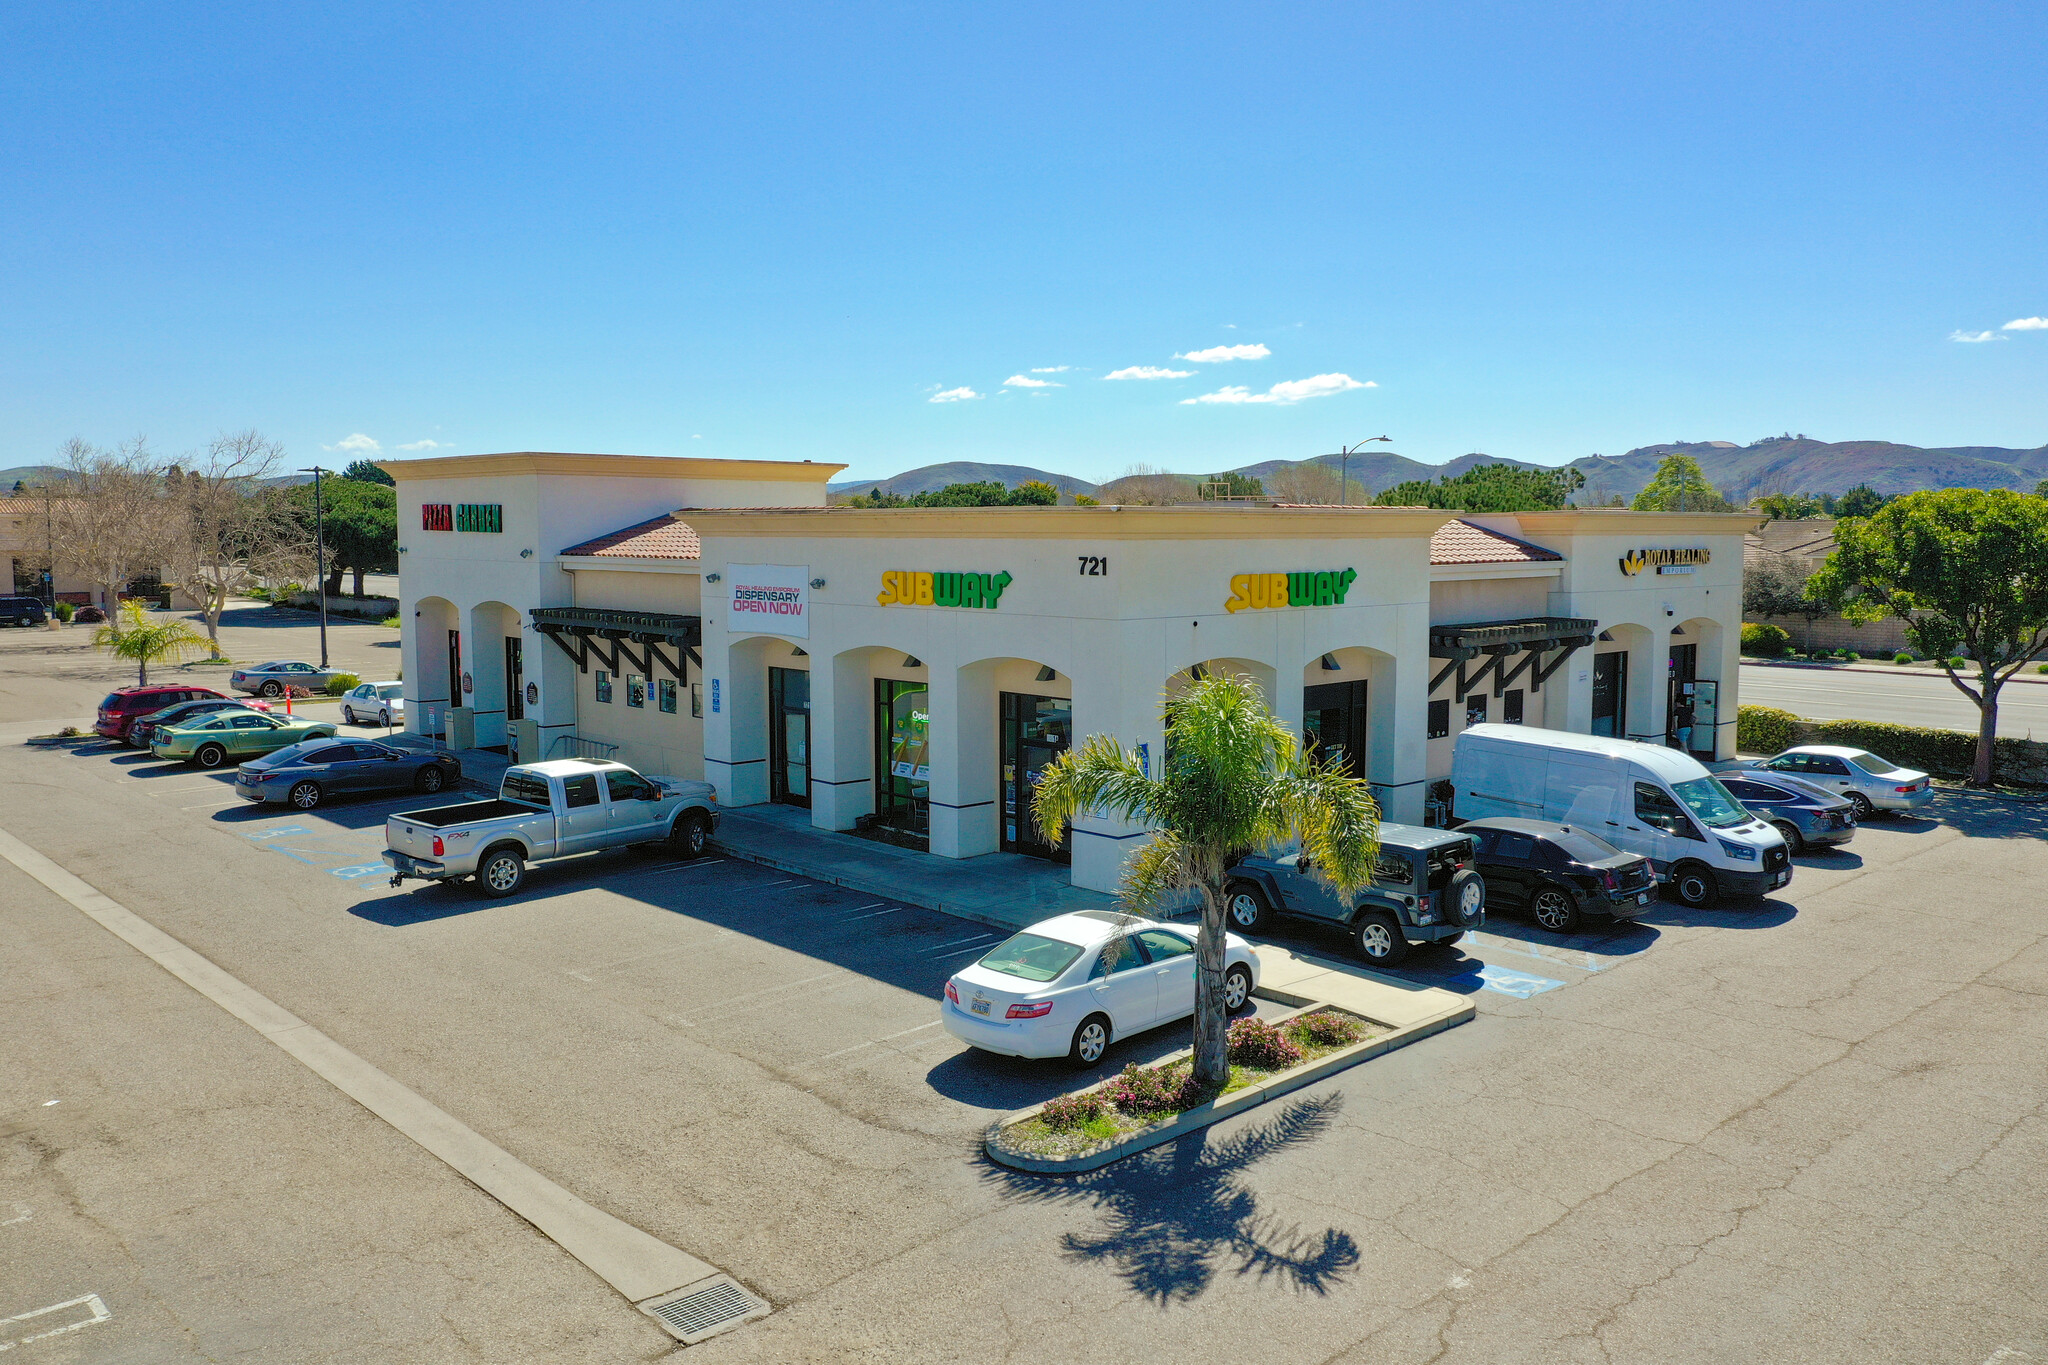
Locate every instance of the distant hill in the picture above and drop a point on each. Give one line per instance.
(1780, 464)
(933, 477)
(30, 474)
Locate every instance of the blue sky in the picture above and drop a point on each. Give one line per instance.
(781, 232)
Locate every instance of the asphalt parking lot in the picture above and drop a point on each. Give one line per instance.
(1803, 1129)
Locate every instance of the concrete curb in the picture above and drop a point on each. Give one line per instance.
(1216, 1110)
(1892, 670)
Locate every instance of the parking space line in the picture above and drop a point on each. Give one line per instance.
(872, 1042)
(667, 867)
(763, 886)
(892, 910)
(1594, 962)
(91, 1303)
(723, 1007)
(977, 938)
(871, 905)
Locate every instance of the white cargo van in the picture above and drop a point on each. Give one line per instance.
(1639, 797)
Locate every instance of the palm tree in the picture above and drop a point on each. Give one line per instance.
(134, 635)
(1234, 780)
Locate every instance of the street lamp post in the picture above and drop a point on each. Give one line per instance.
(1344, 479)
(319, 559)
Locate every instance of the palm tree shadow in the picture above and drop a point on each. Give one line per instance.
(1177, 1216)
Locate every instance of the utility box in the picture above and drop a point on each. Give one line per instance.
(524, 741)
(462, 727)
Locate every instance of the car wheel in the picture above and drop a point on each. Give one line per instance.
(210, 756)
(305, 795)
(430, 779)
(1379, 939)
(1465, 898)
(1247, 906)
(348, 715)
(1237, 987)
(1790, 831)
(1860, 803)
(1091, 1040)
(501, 872)
(692, 834)
(1694, 885)
(384, 719)
(272, 689)
(1555, 909)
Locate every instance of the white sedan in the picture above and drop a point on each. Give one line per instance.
(382, 701)
(1068, 985)
(1867, 782)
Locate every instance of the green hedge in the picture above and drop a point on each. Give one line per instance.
(1765, 729)
(342, 684)
(1765, 641)
(1944, 753)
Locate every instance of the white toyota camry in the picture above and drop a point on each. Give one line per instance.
(1067, 986)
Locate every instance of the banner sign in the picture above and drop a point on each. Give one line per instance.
(1260, 591)
(917, 588)
(1635, 561)
(769, 599)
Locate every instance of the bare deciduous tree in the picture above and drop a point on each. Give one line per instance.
(1313, 483)
(228, 532)
(1143, 485)
(107, 524)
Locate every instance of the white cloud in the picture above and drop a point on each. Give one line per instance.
(1050, 369)
(357, 444)
(959, 395)
(1288, 391)
(1975, 336)
(426, 445)
(2027, 325)
(1216, 355)
(1025, 381)
(1148, 372)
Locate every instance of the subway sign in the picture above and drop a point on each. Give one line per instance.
(462, 516)
(1664, 561)
(918, 588)
(1261, 591)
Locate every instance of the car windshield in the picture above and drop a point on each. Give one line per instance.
(1032, 956)
(1871, 763)
(1706, 798)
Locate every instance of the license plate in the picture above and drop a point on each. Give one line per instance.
(1781, 879)
(1642, 898)
(980, 1007)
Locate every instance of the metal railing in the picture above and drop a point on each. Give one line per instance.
(579, 747)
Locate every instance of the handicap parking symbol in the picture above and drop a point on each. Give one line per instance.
(1521, 985)
(365, 870)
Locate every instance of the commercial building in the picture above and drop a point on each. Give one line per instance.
(907, 672)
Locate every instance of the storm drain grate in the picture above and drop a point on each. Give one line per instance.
(697, 1313)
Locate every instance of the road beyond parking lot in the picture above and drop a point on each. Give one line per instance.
(1806, 1129)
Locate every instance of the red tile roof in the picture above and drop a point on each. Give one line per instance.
(1461, 542)
(667, 536)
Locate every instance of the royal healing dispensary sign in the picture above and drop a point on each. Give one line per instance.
(917, 588)
(1318, 588)
(1664, 561)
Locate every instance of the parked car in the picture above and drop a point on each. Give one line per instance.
(382, 702)
(548, 810)
(142, 733)
(212, 740)
(1869, 783)
(1424, 889)
(124, 706)
(274, 678)
(1558, 873)
(1804, 813)
(307, 773)
(22, 611)
(1644, 798)
(1069, 985)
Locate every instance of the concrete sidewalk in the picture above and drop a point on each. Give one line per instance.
(1001, 890)
(1299, 979)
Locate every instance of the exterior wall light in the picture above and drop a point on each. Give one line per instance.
(1045, 673)
(912, 661)
(1330, 663)
(711, 578)
(817, 582)
(526, 554)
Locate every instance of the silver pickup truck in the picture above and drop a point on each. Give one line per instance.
(548, 810)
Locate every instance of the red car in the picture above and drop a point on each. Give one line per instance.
(126, 705)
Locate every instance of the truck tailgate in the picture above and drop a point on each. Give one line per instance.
(403, 836)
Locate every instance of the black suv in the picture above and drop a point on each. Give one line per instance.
(22, 611)
(1558, 873)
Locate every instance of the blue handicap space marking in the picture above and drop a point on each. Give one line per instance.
(273, 832)
(366, 870)
(1521, 985)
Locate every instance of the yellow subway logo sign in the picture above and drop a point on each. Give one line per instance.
(919, 588)
(1260, 591)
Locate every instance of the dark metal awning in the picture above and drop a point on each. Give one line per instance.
(1529, 636)
(586, 632)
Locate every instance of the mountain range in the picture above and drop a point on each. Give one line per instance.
(1777, 464)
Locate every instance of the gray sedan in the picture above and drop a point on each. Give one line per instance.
(272, 679)
(1807, 815)
(1867, 782)
(307, 773)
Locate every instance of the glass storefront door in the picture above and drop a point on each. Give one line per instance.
(1333, 721)
(903, 764)
(789, 736)
(1610, 694)
(515, 678)
(1036, 730)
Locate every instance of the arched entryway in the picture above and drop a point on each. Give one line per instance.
(433, 665)
(1695, 715)
(1011, 718)
(495, 663)
(1627, 683)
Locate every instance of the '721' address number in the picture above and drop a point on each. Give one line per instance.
(1094, 566)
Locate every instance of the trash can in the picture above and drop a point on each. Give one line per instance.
(462, 727)
(524, 741)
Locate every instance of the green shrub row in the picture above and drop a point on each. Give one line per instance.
(1944, 753)
(1765, 641)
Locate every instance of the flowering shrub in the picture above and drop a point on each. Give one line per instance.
(1071, 1111)
(1254, 1042)
(1325, 1029)
(1143, 1090)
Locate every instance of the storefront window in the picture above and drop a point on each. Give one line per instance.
(665, 695)
(1475, 709)
(604, 686)
(1036, 731)
(1439, 718)
(903, 755)
(636, 690)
